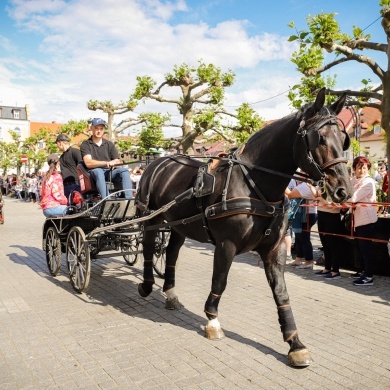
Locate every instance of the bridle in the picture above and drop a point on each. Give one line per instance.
(311, 137)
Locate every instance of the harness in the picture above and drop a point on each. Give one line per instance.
(205, 183)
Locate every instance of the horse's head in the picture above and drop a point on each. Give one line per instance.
(319, 147)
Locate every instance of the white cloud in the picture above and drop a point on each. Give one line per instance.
(95, 50)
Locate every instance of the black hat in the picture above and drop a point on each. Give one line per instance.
(52, 158)
(62, 137)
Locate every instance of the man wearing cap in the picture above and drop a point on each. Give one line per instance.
(69, 160)
(99, 156)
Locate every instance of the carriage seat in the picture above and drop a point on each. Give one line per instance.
(87, 183)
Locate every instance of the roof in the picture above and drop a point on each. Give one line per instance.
(35, 127)
(7, 112)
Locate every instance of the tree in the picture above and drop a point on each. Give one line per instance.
(111, 110)
(74, 128)
(202, 91)
(324, 36)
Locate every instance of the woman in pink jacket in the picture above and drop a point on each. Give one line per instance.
(365, 217)
(53, 200)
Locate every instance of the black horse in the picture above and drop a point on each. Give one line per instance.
(239, 205)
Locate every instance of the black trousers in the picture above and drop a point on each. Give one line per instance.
(331, 223)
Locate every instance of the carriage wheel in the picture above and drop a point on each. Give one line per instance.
(78, 259)
(131, 246)
(53, 250)
(159, 257)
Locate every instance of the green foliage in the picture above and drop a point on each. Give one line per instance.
(384, 4)
(203, 86)
(74, 128)
(151, 134)
(124, 145)
(144, 87)
(324, 29)
(305, 92)
(358, 33)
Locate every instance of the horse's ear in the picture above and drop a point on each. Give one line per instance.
(320, 100)
(339, 104)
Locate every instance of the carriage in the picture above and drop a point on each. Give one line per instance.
(234, 201)
(97, 228)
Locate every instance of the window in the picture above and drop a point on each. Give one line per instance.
(377, 129)
(17, 130)
(16, 114)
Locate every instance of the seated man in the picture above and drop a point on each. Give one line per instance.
(99, 155)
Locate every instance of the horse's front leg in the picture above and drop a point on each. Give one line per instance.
(223, 258)
(274, 263)
(148, 244)
(176, 241)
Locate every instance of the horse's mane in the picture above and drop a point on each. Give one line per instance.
(275, 124)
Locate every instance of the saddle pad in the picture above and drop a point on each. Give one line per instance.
(235, 206)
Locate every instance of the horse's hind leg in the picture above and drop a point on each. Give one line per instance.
(298, 355)
(176, 241)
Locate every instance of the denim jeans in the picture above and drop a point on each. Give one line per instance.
(57, 211)
(118, 175)
(303, 244)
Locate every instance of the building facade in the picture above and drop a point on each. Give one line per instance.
(16, 119)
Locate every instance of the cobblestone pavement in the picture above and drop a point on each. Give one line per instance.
(110, 338)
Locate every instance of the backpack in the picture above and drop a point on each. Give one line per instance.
(294, 206)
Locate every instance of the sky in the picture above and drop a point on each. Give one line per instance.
(55, 55)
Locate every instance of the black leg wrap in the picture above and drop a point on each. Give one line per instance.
(169, 278)
(211, 306)
(287, 322)
(146, 287)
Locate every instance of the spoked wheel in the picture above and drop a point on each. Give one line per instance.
(78, 259)
(159, 257)
(131, 246)
(53, 250)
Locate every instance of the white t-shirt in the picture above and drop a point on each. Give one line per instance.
(306, 193)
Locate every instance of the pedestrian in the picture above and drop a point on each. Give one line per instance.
(135, 176)
(69, 160)
(293, 209)
(53, 200)
(305, 218)
(32, 188)
(364, 216)
(100, 156)
(331, 230)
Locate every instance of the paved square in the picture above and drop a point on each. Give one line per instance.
(110, 338)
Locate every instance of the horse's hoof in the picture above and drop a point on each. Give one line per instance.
(213, 333)
(173, 304)
(300, 358)
(142, 292)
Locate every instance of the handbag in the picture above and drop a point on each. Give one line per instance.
(347, 221)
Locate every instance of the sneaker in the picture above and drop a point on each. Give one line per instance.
(364, 281)
(293, 264)
(357, 275)
(320, 273)
(333, 277)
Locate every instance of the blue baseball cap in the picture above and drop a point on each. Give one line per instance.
(98, 121)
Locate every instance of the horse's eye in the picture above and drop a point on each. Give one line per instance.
(322, 140)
